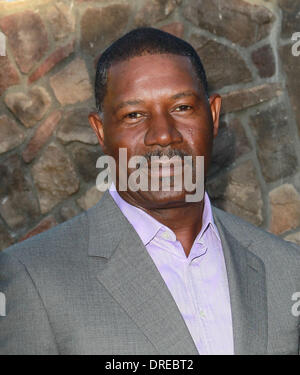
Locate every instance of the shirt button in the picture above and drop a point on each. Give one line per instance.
(166, 235)
(202, 314)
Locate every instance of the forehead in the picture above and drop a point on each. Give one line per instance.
(143, 75)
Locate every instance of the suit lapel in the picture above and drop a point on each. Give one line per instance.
(134, 282)
(247, 288)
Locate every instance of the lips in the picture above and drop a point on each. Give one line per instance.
(163, 168)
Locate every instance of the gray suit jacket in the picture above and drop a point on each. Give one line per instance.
(89, 286)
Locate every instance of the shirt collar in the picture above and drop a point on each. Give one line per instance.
(207, 219)
(144, 224)
(147, 227)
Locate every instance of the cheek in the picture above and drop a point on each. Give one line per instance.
(199, 139)
(190, 136)
(116, 139)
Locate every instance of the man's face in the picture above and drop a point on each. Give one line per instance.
(155, 103)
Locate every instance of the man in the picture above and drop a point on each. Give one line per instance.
(147, 272)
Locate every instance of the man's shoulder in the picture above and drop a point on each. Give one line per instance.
(66, 240)
(264, 244)
(73, 239)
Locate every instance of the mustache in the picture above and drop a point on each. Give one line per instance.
(169, 153)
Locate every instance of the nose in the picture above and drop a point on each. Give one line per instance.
(162, 131)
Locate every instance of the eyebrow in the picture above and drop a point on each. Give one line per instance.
(184, 94)
(128, 102)
(137, 101)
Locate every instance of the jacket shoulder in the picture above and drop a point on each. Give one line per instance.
(264, 243)
(66, 240)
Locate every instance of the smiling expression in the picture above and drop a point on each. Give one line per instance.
(155, 103)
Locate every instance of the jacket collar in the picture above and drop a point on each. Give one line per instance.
(247, 286)
(132, 279)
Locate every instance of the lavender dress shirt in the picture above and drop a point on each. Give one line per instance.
(198, 283)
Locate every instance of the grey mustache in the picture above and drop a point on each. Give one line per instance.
(160, 153)
(170, 153)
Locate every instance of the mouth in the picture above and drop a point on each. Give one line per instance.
(163, 168)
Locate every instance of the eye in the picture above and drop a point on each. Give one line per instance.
(133, 115)
(183, 108)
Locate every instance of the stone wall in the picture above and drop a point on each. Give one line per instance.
(48, 151)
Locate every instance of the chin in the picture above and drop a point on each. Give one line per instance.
(167, 199)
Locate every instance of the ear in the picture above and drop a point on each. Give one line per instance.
(215, 101)
(97, 125)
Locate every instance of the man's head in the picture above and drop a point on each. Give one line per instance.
(152, 99)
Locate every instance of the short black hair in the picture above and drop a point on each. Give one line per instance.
(138, 42)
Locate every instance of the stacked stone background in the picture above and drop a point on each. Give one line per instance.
(48, 151)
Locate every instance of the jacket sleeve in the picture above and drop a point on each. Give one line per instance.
(24, 324)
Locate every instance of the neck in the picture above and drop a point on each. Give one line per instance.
(185, 221)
